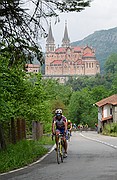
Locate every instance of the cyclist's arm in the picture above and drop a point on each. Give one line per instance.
(65, 126)
(53, 127)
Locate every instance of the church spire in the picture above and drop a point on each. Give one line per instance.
(66, 40)
(50, 43)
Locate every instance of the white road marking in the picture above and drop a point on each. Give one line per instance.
(103, 142)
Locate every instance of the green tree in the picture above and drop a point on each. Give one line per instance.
(111, 64)
(58, 95)
(12, 92)
(99, 92)
(22, 96)
(80, 106)
(114, 84)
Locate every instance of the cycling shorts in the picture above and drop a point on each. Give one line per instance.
(61, 130)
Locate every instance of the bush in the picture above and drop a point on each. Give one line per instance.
(110, 129)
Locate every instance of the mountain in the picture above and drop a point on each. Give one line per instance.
(103, 41)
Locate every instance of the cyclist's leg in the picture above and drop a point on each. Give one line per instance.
(65, 143)
(57, 132)
(70, 132)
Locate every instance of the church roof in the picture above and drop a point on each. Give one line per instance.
(77, 48)
(50, 38)
(65, 40)
(63, 49)
(57, 62)
(60, 50)
(88, 55)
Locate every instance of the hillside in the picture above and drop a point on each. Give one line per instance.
(103, 41)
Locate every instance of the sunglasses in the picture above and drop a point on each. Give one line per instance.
(58, 114)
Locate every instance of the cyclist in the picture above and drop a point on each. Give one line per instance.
(59, 125)
(69, 126)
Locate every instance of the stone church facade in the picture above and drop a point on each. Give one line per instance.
(66, 61)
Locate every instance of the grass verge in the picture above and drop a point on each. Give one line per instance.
(23, 153)
(110, 129)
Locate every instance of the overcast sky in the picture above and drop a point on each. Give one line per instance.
(101, 15)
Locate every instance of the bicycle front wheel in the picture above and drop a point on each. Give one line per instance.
(58, 155)
(61, 152)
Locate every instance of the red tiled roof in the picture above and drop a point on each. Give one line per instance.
(57, 62)
(77, 48)
(61, 49)
(32, 65)
(109, 100)
(88, 55)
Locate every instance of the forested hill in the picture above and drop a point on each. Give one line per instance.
(103, 41)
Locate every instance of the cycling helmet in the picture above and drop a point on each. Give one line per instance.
(69, 121)
(58, 112)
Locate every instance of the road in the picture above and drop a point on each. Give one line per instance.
(91, 156)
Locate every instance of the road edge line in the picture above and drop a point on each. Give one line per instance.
(39, 160)
(103, 142)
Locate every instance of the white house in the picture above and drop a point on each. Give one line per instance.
(107, 111)
(34, 68)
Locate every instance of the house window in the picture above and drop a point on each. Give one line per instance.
(110, 111)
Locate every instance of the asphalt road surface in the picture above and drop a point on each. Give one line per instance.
(91, 156)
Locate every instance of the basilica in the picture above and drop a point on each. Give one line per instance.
(66, 61)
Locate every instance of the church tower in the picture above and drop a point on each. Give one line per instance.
(50, 43)
(65, 40)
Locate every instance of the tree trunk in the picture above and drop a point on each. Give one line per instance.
(2, 139)
(23, 127)
(13, 131)
(18, 130)
(37, 130)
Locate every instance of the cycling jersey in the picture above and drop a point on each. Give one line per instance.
(60, 123)
(69, 125)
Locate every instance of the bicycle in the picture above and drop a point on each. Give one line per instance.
(59, 148)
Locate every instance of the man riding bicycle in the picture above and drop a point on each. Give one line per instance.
(59, 126)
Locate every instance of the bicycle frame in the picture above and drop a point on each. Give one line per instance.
(59, 151)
